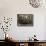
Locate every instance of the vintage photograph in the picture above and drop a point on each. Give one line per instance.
(24, 19)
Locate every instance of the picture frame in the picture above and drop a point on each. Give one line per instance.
(24, 19)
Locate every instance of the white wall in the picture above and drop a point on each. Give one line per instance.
(11, 8)
(45, 27)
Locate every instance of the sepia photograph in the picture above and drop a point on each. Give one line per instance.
(25, 19)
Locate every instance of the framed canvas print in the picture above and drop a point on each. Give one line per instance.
(24, 19)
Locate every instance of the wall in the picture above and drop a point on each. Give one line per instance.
(45, 27)
(10, 8)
